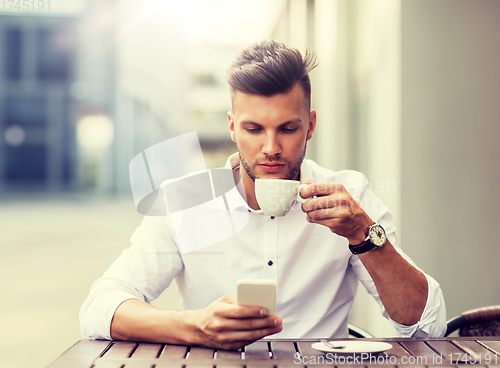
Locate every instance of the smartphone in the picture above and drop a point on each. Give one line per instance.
(257, 292)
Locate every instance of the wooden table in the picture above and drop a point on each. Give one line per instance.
(480, 351)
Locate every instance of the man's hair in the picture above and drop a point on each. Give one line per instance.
(269, 67)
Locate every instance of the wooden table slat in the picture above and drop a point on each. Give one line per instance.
(471, 346)
(305, 349)
(397, 351)
(137, 364)
(120, 349)
(493, 345)
(200, 353)
(173, 351)
(220, 364)
(480, 354)
(146, 350)
(168, 365)
(259, 350)
(422, 353)
(81, 354)
(283, 350)
(449, 352)
(228, 355)
(260, 364)
(107, 364)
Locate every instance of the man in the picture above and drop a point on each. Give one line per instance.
(316, 253)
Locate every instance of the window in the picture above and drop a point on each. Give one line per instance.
(25, 111)
(54, 49)
(12, 54)
(26, 163)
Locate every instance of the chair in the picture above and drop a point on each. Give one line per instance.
(476, 322)
(358, 332)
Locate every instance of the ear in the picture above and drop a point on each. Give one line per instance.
(230, 119)
(312, 124)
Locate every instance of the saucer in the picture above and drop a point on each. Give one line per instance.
(353, 346)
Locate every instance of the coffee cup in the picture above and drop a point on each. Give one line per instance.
(277, 196)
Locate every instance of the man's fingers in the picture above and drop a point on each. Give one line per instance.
(250, 317)
(335, 200)
(320, 189)
(306, 191)
(229, 309)
(250, 324)
(324, 218)
(236, 339)
(327, 214)
(227, 325)
(234, 311)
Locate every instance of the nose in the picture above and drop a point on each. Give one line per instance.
(271, 145)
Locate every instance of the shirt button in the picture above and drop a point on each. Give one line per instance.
(270, 263)
(272, 217)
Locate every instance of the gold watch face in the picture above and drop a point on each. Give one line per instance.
(377, 236)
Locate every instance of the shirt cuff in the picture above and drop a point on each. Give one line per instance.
(98, 324)
(432, 322)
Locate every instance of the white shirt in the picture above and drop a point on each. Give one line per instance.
(316, 274)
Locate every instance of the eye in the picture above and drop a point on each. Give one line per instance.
(252, 130)
(289, 130)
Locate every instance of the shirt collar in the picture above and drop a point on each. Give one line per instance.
(233, 161)
(234, 198)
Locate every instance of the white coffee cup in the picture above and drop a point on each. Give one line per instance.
(276, 196)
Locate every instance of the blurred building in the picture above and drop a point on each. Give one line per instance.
(56, 69)
(84, 89)
(208, 99)
(151, 81)
(37, 69)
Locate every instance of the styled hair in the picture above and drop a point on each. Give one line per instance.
(269, 67)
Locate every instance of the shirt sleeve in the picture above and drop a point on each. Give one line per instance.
(432, 322)
(141, 272)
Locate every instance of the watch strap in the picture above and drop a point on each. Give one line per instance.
(362, 247)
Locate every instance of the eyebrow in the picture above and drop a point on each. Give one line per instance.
(293, 121)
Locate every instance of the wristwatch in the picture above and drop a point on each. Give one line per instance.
(376, 239)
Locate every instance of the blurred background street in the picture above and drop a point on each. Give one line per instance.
(53, 249)
(406, 92)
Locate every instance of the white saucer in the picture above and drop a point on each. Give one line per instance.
(353, 346)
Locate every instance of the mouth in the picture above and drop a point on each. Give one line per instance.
(271, 166)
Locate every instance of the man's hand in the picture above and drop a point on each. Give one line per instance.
(225, 325)
(335, 208)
